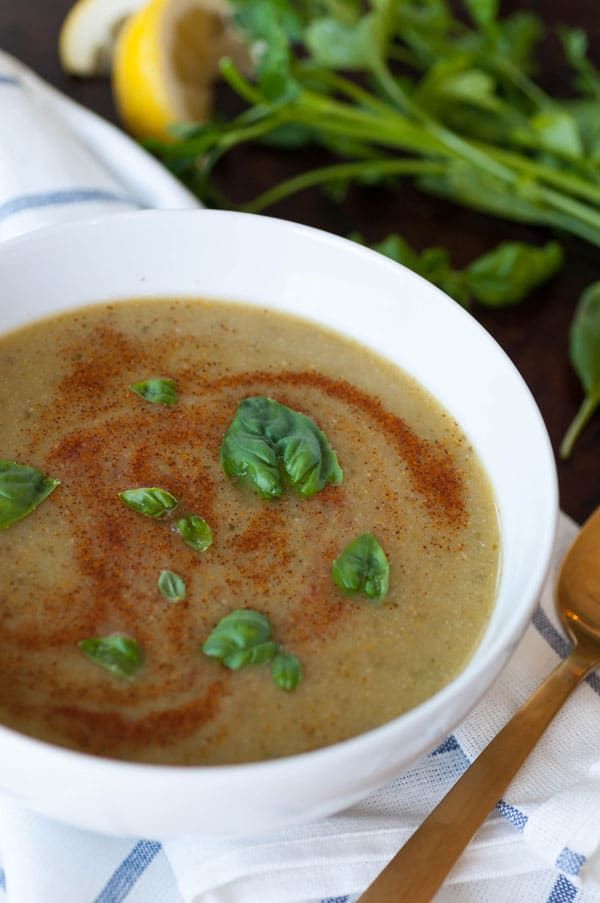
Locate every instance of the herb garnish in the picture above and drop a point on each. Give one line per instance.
(270, 446)
(119, 654)
(243, 637)
(172, 586)
(158, 391)
(585, 357)
(362, 567)
(153, 502)
(286, 671)
(195, 532)
(22, 489)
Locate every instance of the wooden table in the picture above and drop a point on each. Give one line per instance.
(535, 334)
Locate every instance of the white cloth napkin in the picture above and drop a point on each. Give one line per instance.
(542, 843)
(59, 161)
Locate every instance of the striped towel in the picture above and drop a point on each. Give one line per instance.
(57, 162)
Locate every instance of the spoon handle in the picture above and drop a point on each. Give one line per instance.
(418, 870)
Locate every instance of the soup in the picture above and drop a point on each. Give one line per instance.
(87, 563)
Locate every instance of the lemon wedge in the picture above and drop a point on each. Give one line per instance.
(88, 35)
(166, 60)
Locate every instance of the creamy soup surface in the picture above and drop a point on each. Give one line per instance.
(84, 565)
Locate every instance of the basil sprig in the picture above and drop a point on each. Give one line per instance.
(172, 586)
(195, 532)
(151, 501)
(118, 654)
(157, 391)
(22, 489)
(243, 637)
(362, 567)
(269, 446)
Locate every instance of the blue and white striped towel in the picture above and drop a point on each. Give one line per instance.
(542, 843)
(59, 161)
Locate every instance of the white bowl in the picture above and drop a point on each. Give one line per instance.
(237, 257)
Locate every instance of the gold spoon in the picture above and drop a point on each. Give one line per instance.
(418, 870)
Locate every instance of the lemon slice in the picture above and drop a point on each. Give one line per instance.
(166, 60)
(88, 35)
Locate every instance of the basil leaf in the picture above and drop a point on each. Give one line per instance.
(362, 568)
(286, 671)
(22, 489)
(195, 532)
(158, 391)
(511, 271)
(153, 502)
(119, 654)
(268, 446)
(243, 637)
(585, 357)
(171, 586)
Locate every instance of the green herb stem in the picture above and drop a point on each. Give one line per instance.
(585, 412)
(348, 88)
(392, 88)
(470, 153)
(234, 78)
(249, 133)
(342, 172)
(568, 182)
(384, 127)
(534, 94)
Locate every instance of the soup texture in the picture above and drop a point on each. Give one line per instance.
(86, 564)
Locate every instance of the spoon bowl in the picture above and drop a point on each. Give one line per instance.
(578, 586)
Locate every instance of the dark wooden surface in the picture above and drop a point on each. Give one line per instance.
(535, 335)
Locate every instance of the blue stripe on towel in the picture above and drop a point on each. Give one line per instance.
(513, 815)
(559, 644)
(570, 862)
(555, 640)
(563, 891)
(449, 745)
(9, 80)
(132, 867)
(2, 880)
(62, 196)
